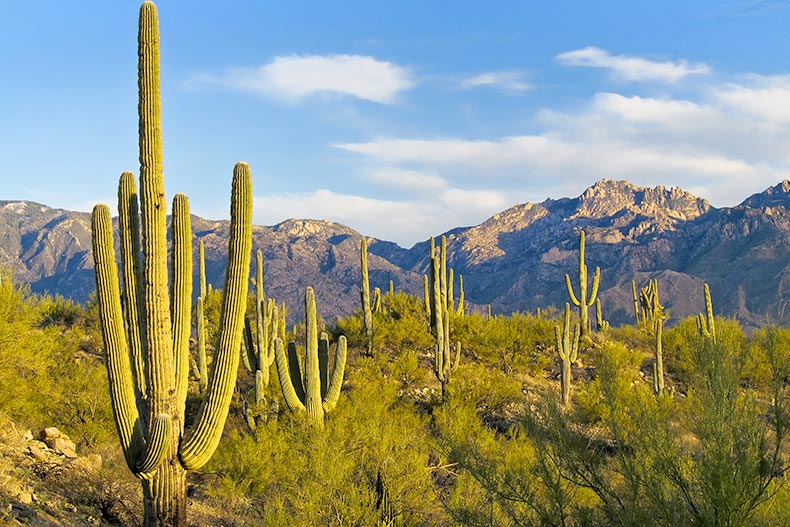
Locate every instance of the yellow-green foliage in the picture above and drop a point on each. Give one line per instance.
(517, 344)
(49, 374)
(293, 474)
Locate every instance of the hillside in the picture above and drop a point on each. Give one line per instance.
(516, 260)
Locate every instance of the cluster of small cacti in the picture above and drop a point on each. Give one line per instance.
(567, 344)
(647, 307)
(583, 301)
(440, 308)
(258, 352)
(308, 388)
(146, 324)
(601, 325)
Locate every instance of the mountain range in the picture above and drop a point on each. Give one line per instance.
(514, 261)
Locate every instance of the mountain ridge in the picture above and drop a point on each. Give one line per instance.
(515, 260)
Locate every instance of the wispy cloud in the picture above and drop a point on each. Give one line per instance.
(727, 143)
(632, 68)
(296, 77)
(508, 81)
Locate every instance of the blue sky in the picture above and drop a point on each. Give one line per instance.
(400, 119)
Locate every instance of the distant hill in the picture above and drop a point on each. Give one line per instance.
(516, 260)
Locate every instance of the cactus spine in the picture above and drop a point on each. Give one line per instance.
(706, 323)
(567, 348)
(583, 302)
(146, 324)
(364, 293)
(658, 364)
(311, 392)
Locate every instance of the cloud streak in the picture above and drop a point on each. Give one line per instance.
(297, 77)
(632, 68)
(508, 81)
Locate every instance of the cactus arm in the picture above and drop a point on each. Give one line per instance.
(711, 321)
(181, 296)
(275, 318)
(594, 292)
(457, 360)
(119, 366)
(461, 300)
(333, 393)
(571, 294)
(426, 293)
(202, 264)
(292, 398)
(575, 347)
(249, 357)
(201, 351)
(200, 441)
(156, 447)
(450, 290)
(129, 233)
(312, 377)
(658, 365)
(443, 269)
(636, 301)
(323, 363)
(295, 370)
(364, 292)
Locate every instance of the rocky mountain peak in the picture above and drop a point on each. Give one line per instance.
(304, 228)
(609, 198)
(776, 196)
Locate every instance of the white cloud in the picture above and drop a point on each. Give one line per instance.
(766, 98)
(407, 222)
(631, 68)
(413, 181)
(296, 77)
(509, 81)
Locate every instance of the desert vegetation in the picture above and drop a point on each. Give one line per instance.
(433, 414)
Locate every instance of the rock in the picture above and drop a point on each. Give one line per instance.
(36, 453)
(59, 442)
(28, 435)
(25, 498)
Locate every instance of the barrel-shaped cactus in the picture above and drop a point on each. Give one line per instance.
(146, 324)
(308, 388)
(567, 344)
(583, 301)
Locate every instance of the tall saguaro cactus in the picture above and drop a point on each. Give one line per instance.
(444, 364)
(146, 324)
(583, 301)
(364, 294)
(567, 348)
(311, 391)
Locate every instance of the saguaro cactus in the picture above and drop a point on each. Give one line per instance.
(146, 325)
(311, 392)
(567, 348)
(364, 294)
(706, 323)
(600, 324)
(658, 359)
(583, 301)
(440, 318)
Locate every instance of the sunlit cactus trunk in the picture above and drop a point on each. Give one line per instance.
(146, 325)
(567, 344)
(583, 301)
(364, 294)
